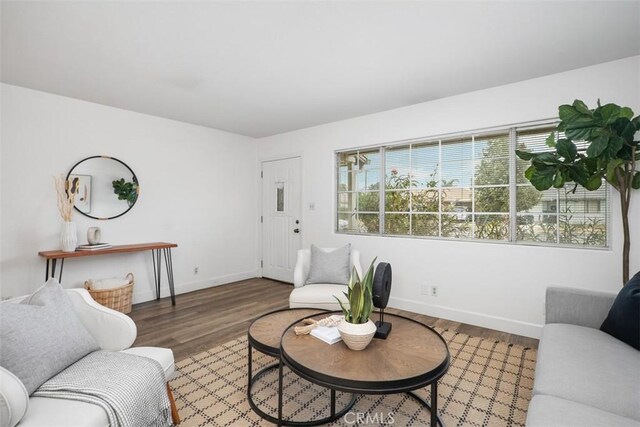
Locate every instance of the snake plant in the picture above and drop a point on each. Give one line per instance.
(359, 294)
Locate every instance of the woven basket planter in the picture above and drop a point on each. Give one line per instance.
(115, 298)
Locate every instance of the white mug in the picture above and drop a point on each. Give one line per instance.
(93, 235)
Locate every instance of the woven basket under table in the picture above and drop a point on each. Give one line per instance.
(116, 298)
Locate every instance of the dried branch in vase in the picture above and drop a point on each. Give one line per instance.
(66, 191)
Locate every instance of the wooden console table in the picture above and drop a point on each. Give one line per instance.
(157, 250)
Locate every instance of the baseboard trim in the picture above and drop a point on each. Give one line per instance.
(473, 318)
(182, 288)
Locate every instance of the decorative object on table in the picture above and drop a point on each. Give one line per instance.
(83, 199)
(125, 190)
(66, 191)
(94, 234)
(94, 247)
(98, 198)
(114, 293)
(328, 334)
(323, 329)
(611, 154)
(311, 324)
(381, 291)
(356, 329)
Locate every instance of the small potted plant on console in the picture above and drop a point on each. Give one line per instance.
(356, 329)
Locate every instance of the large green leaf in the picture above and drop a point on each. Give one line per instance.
(578, 173)
(598, 146)
(569, 114)
(542, 179)
(529, 172)
(524, 155)
(609, 113)
(544, 159)
(611, 169)
(567, 149)
(615, 144)
(581, 107)
(579, 131)
(625, 128)
(593, 165)
(558, 180)
(593, 183)
(356, 301)
(626, 112)
(367, 307)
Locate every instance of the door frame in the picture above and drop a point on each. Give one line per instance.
(262, 160)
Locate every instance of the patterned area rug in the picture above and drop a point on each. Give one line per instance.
(488, 384)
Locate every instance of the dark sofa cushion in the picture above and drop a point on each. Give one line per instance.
(623, 321)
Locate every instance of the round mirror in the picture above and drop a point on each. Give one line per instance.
(107, 187)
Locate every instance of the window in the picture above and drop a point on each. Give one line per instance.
(359, 191)
(469, 187)
(558, 216)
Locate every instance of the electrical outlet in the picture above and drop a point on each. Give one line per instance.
(434, 291)
(195, 270)
(424, 290)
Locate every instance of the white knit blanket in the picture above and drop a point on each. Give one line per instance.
(131, 389)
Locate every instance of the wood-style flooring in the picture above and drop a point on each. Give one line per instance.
(204, 319)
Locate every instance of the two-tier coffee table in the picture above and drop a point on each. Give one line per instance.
(264, 336)
(412, 357)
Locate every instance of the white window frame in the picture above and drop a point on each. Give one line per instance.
(511, 130)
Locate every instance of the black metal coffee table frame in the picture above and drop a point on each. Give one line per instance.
(359, 387)
(252, 343)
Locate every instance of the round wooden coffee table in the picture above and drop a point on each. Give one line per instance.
(264, 335)
(412, 357)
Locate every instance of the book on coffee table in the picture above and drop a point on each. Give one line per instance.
(328, 334)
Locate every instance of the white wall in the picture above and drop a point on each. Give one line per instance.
(492, 285)
(198, 189)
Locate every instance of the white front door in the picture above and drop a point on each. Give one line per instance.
(281, 227)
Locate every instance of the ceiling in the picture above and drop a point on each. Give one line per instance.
(263, 68)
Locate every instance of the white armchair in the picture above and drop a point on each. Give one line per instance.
(113, 331)
(317, 295)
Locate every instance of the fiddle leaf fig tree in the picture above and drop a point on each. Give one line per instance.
(612, 153)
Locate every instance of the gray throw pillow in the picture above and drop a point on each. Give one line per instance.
(330, 266)
(42, 336)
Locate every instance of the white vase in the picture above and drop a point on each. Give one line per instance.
(356, 336)
(69, 236)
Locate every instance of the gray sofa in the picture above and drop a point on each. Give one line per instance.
(584, 377)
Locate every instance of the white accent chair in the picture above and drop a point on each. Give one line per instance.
(113, 331)
(318, 295)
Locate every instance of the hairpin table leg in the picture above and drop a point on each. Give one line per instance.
(169, 264)
(61, 267)
(157, 272)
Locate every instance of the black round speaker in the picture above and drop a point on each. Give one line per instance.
(382, 285)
